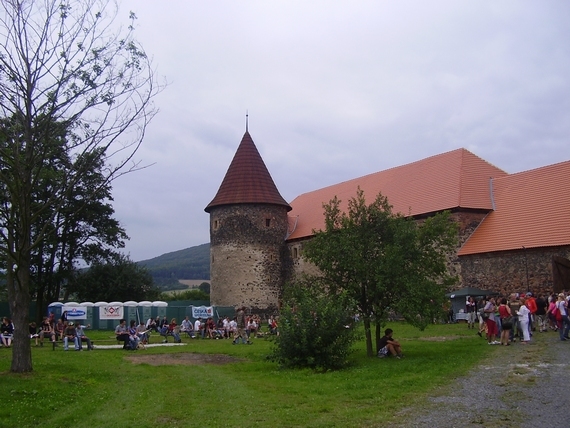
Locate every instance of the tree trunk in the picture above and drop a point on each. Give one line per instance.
(19, 297)
(368, 335)
(378, 335)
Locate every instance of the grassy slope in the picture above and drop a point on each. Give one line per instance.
(101, 388)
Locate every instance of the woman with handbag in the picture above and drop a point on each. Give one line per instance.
(506, 321)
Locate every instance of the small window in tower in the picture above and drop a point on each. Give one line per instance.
(216, 224)
(295, 253)
(212, 259)
(267, 222)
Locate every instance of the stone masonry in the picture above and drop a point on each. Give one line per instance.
(246, 251)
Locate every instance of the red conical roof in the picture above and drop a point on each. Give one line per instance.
(247, 180)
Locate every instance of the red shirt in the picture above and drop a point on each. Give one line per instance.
(531, 305)
(504, 311)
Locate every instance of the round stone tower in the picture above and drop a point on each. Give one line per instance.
(248, 226)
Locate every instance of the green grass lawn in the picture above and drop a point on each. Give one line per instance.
(103, 389)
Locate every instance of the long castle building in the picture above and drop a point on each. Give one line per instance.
(514, 228)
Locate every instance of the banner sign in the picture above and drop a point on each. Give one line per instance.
(75, 312)
(202, 311)
(110, 312)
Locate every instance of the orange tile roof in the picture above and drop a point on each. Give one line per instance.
(456, 179)
(247, 180)
(532, 209)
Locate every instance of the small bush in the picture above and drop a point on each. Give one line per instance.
(314, 328)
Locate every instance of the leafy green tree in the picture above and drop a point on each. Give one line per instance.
(120, 280)
(66, 76)
(81, 230)
(385, 262)
(314, 328)
(205, 287)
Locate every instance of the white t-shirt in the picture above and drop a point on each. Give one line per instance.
(488, 307)
(186, 325)
(561, 307)
(197, 325)
(523, 313)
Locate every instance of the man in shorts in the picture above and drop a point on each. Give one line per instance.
(389, 346)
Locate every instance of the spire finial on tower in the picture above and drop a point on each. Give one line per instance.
(246, 120)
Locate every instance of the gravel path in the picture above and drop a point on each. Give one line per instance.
(517, 386)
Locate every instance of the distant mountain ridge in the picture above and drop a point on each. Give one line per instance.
(190, 263)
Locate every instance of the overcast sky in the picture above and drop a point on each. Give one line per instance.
(336, 90)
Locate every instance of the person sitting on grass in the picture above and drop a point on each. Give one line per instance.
(389, 346)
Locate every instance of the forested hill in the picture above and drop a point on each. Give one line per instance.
(190, 263)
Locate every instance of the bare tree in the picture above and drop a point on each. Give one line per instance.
(66, 69)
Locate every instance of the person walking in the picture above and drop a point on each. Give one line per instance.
(492, 329)
(241, 326)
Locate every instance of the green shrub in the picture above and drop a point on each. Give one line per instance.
(315, 328)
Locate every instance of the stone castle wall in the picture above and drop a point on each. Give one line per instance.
(467, 222)
(251, 262)
(247, 243)
(506, 271)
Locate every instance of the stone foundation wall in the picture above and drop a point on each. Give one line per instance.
(506, 271)
(246, 247)
(298, 264)
(467, 221)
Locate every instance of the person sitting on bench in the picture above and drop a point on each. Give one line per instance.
(6, 332)
(46, 330)
(69, 334)
(187, 327)
(143, 333)
(122, 333)
(81, 337)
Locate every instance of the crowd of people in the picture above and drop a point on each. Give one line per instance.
(241, 328)
(50, 329)
(505, 320)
